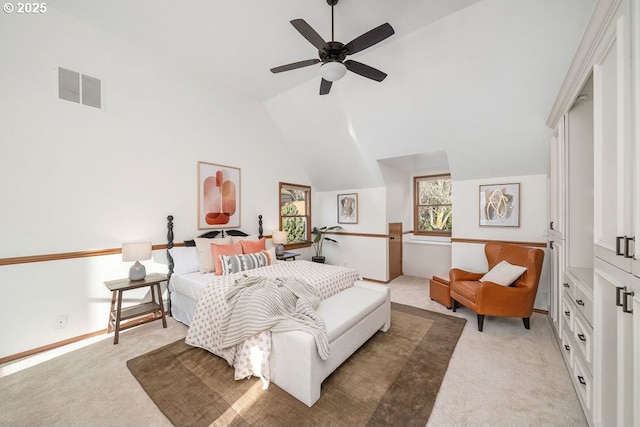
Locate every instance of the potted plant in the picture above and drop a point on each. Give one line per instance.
(318, 239)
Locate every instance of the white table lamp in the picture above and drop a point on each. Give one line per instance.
(136, 251)
(279, 238)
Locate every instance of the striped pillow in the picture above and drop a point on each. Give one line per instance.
(237, 263)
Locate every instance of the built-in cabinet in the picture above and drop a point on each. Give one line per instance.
(594, 216)
(572, 247)
(617, 338)
(576, 333)
(557, 276)
(613, 143)
(557, 182)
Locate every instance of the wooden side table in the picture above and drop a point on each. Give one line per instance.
(287, 256)
(153, 307)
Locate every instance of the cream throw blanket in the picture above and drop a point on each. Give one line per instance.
(257, 304)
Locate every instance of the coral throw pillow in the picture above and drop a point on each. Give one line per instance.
(217, 250)
(249, 247)
(205, 259)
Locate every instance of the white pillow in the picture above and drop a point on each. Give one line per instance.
(272, 255)
(236, 239)
(185, 259)
(503, 273)
(205, 257)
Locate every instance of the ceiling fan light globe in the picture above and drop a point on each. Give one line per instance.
(333, 71)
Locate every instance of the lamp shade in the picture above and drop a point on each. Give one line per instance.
(333, 71)
(136, 251)
(279, 237)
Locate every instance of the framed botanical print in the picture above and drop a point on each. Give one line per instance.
(218, 196)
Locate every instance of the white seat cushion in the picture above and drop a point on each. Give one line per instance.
(346, 308)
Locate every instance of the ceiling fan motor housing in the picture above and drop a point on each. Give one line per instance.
(333, 52)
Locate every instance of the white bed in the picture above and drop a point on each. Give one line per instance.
(185, 289)
(184, 292)
(199, 300)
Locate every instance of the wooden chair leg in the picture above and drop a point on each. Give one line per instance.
(525, 320)
(480, 322)
(453, 305)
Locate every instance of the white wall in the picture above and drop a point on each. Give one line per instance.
(421, 256)
(367, 254)
(425, 258)
(399, 195)
(533, 220)
(76, 178)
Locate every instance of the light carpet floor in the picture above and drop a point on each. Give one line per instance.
(504, 376)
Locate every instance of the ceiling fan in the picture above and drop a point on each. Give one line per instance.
(332, 54)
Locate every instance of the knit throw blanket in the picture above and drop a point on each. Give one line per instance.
(257, 304)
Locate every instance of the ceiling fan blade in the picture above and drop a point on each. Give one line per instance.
(365, 70)
(370, 38)
(325, 87)
(308, 33)
(294, 65)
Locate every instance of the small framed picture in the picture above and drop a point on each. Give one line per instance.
(348, 208)
(500, 205)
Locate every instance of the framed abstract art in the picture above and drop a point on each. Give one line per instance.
(218, 196)
(500, 205)
(348, 208)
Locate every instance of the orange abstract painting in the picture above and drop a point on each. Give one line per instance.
(218, 196)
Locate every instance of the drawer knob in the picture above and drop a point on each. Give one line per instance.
(582, 337)
(580, 302)
(566, 346)
(566, 285)
(567, 313)
(581, 379)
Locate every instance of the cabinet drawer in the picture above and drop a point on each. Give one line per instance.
(567, 288)
(567, 316)
(584, 304)
(567, 348)
(583, 382)
(583, 338)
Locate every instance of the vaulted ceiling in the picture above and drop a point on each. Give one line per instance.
(469, 81)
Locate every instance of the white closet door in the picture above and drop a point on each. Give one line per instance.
(612, 149)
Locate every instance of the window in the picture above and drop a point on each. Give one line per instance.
(432, 205)
(295, 213)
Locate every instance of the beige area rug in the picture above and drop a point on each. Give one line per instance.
(393, 379)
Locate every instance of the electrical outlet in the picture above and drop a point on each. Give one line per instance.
(61, 321)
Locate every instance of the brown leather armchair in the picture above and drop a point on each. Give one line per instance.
(490, 299)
